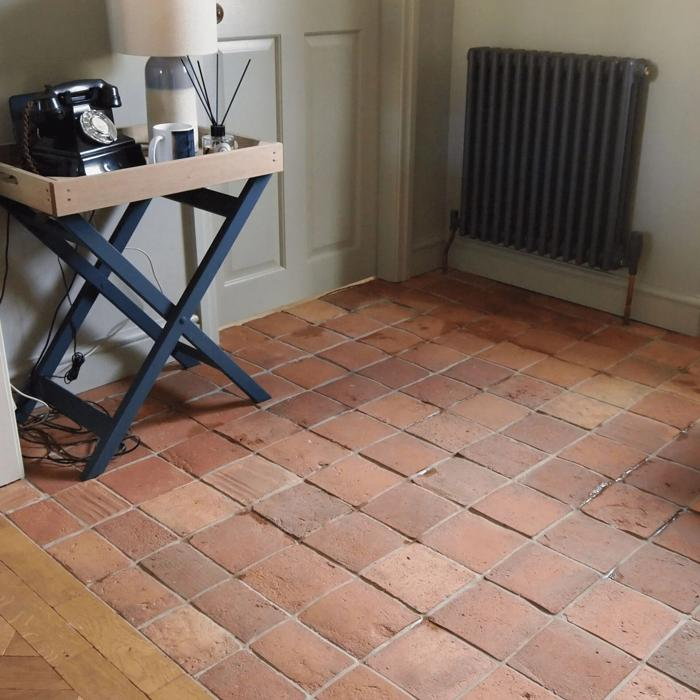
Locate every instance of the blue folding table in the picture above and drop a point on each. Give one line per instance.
(63, 234)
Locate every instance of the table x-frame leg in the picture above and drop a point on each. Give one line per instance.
(59, 233)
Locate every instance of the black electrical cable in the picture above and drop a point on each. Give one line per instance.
(6, 270)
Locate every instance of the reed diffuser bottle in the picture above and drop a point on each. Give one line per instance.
(218, 141)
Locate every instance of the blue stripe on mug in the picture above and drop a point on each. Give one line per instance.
(183, 144)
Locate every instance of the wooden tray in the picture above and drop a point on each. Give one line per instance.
(60, 196)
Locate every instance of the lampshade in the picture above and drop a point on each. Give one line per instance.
(163, 27)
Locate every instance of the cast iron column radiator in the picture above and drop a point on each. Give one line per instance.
(551, 151)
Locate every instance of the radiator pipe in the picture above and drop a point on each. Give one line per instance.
(454, 228)
(634, 253)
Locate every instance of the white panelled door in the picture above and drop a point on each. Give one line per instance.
(313, 85)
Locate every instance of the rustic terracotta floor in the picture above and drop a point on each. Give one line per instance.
(459, 490)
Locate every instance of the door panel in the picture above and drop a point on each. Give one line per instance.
(312, 84)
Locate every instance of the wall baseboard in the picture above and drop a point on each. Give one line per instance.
(599, 290)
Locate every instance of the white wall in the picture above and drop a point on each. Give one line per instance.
(668, 201)
(50, 41)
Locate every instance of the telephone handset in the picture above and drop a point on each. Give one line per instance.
(69, 130)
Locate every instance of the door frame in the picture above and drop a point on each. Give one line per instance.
(399, 27)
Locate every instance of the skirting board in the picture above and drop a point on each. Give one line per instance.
(599, 290)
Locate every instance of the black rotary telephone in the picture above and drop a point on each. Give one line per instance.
(68, 130)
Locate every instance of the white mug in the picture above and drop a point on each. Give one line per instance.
(171, 142)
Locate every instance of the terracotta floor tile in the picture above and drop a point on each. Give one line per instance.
(668, 408)
(503, 455)
(460, 480)
(554, 371)
(259, 430)
(313, 339)
(684, 384)
(179, 387)
(604, 456)
(237, 337)
(580, 410)
(355, 480)
(526, 391)
(544, 433)
(565, 481)
(182, 568)
(269, 353)
(358, 618)
(277, 324)
(591, 355)
(630, 509)
(387, 312)
(394, 372)
(448, 431)
(135, 534)
(146, 479)
(45, 521)
(573, 663)
(301, 655)
(473, 541)
(456, 313)
(310, 372)
(649, 684)
(362, 684)
(491, 619)
(239, 609)
(135, 595)
(399, 410)
(391, 340)
(505, 683)
(255, 539)
(428, 327)
(354, 430)
(521, 509)
(638, 432)
(491, 411)
(619, 339)
(244, 677)
(497, 328)
(354, 325)
(591, 542)
(353, 390)
(664, 575)
(405, 454)
(17, 495)
(166, 429)
(192, 639)
(432, 356)
(353, 355)
(671, 354)
(544, 577)
(301, 509)
(316, 311)
(214, 410)
(512, 356)
(355, 540)
(277, 387)
(682, 536)
(48, 479)
(685, 449)
(304, 453)
(671, 481)
(643, 371)
(478, 373)
(295, 577)
(308, 408)
(431, 664)
(440, 391)
(545, 341)
(88, 556)
(627, 619)
(204, 453)
(463, 341)
(251, 479)
(410, 509)
(190, 508)
(680, 656)
(418, 576)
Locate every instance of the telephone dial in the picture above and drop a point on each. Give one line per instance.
(69, 130)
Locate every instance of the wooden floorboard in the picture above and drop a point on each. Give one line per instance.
(59, 642)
